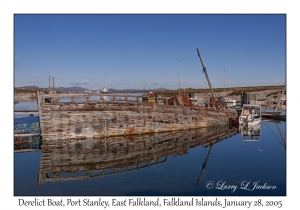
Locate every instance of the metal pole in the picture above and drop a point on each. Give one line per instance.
(53, 82)
(179, 76)
(224, 82)
(184, 84)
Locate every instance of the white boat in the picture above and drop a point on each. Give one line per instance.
(250, 115)
(230, 102)
(227, 100)
(104, 90)
(194, 101)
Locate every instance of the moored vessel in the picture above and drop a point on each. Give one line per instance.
(104, 90)
(250, 115)
(97, 118)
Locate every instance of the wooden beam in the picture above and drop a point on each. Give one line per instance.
(26, 112)
(26, 134)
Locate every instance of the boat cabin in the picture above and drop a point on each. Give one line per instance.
(251, 114)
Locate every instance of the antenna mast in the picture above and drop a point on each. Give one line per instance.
(53, 82)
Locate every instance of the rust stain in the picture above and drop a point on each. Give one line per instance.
(130, 137)
(179, 100)
(130, 131)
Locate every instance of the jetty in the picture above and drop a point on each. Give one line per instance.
(274, 117)
(30, 112)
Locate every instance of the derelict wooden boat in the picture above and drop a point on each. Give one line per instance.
(98, 118)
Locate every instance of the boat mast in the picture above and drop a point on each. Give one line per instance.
(206, 75)
(53, 82)
(224, 82)
(184, 84)
(179, 75)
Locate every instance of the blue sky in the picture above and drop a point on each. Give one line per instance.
(148, 51)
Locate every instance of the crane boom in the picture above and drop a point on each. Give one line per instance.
(204, 164)
(204, 70)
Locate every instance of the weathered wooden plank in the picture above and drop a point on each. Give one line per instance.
(26, 112)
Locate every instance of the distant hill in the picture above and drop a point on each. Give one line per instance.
(162, 91)
(111, 90)
(70, 89)
(161, 88)
(30, 87)
(80, 89)
(59, 89)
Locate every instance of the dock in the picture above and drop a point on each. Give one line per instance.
(26, 111)
(25, 134)
(275, 117)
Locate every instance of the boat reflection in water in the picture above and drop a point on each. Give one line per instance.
(84, 159)
(27, 143)
(250, 132)
(253, 132)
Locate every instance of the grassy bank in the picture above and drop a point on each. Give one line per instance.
(235, 90)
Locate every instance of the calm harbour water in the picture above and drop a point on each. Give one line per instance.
(233, 166)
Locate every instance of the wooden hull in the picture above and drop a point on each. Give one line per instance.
(67, 120)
